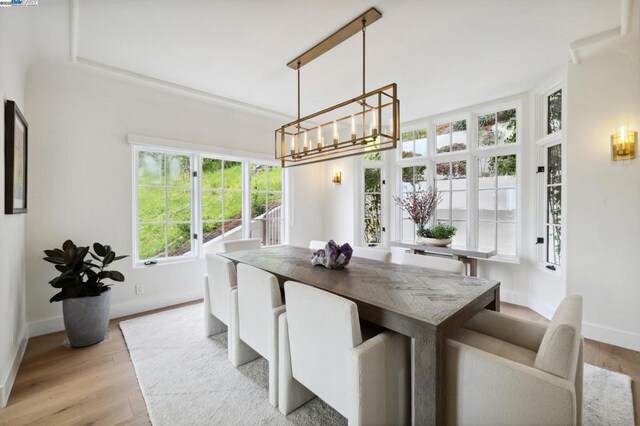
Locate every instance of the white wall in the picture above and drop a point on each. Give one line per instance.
(80, 186)
(603, 196)
(15, 49)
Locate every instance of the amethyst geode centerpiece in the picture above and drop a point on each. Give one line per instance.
(333, 256)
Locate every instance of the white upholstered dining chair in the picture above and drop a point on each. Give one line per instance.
(237, 245)
(433, 262)
(322, 353)
(504, 370)
(317, 244)
(255, 315)
(372, 253)
(220, 291)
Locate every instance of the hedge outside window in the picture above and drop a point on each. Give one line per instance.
(497, 128)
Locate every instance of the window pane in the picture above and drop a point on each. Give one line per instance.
(459, 205)
(487, 130)
(178, 170)
(211, 230)
(151, 205)
(374, 156)
(486, 172)
(507, 126)
(232, 175)
(554, 210)
(460, 239)
(421, 178)
(408, 230)
(407, 179)
(553, 244)
(554, 164)
(407, 136)
(421, 142)
(459, 175)
(487, 205)
(407, 149)
(443, 137)
(443, 212)
(211, 205)
(506, 168)
(443, 174)
(506, 205)
(486, 235)
(233, 228)
(507, 239)
(259, 177)
(151, 169)
(274, 200)
(258, 204)
(232, 205)
(554, 112)
(151, 241)
(371, 180)
(178, 239)
(459, 136)
(372, 218)
(211, 173)
(179, 205)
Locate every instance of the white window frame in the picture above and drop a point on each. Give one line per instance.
(195, 245)
(471, 156)
(247, 201)
(544, 141)
(197, 152)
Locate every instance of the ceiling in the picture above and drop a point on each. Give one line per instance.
(444, 54)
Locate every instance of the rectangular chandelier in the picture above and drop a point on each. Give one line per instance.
(366, 124)
(362, 125)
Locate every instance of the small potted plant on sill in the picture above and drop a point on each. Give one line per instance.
(420, 206)
(439, 235)
(86, 299)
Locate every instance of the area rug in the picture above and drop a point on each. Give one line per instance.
(187, 379)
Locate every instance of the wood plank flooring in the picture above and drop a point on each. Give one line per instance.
(97, 385)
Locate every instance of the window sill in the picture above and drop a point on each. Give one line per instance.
(542, 267)
(165, 262)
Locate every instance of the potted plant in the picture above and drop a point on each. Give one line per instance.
(439, 235)
(420, 206)
(86, 299)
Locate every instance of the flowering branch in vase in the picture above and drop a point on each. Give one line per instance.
(420, 206)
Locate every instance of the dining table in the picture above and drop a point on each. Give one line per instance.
(426, 305)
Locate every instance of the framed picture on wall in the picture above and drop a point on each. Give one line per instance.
(15, 159)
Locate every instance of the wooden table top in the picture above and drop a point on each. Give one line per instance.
(426, 295)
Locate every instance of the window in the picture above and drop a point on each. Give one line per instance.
(554, 204)
(451, 136)
(414, 143)
(414, 179)
(181, 214)
(554, 112)
(221, 199)
(266, 204)
(497, 128)
(372, 205)
(451, 184)
(497, 203)
(164, 201)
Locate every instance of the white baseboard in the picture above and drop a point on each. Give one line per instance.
(611, 336)
(541, 307)
(134, 306)
(7, 383)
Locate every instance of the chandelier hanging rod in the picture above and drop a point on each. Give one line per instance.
(344, 33)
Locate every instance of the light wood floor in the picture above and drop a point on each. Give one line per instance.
(97, 385)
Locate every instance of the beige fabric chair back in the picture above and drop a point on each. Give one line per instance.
(258, 295)
(559, 350)
(237, 245)
(433, 262)
(221, 278)
(317, 244)
(323, 329)
(372, 253)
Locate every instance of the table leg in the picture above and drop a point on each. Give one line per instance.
(495, 304)
(428, 378)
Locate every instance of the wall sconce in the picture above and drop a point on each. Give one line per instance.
(337, 178)
(623, 144)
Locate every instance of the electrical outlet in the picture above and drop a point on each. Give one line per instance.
(139, 289)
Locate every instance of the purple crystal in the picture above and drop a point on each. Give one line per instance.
(333, 256)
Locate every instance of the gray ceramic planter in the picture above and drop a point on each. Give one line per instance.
(86, 319)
